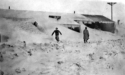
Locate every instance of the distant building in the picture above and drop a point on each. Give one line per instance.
(55, 17)
(118, 22)
(3, 38)
(74, 12)
(100, 22)
(9, 7)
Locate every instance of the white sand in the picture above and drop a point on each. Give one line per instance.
(103, 55)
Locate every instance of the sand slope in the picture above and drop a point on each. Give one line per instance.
(42, 55)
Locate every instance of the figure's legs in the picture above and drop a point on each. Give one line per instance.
(85, 40)
(57, 38)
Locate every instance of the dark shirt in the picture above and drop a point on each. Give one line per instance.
(86, 34)
(57, 32)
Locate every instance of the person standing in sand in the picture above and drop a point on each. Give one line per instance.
(85, 35)
(57, 32)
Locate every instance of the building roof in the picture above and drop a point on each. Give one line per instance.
(98, 18)
(81, 18)
(67, 21)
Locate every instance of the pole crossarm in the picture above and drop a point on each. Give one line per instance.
(111, 3)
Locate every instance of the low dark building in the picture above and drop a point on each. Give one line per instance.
(4, 38)
(100, 22)
(55, 17)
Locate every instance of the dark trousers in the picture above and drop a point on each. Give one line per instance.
(85, 40)
(57, 38)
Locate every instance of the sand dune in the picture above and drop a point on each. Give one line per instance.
(42, 55)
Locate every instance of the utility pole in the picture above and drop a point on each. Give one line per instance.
(111, 3)
(0, 38)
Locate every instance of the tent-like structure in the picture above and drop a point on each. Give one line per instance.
(100, 22)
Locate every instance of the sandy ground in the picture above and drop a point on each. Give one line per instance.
(70, 58)
(104, 53)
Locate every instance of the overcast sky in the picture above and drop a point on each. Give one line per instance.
(68, 6)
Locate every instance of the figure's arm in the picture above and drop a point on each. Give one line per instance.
(60, 32)
(83, 31)
(53, 33)
(88, 33)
